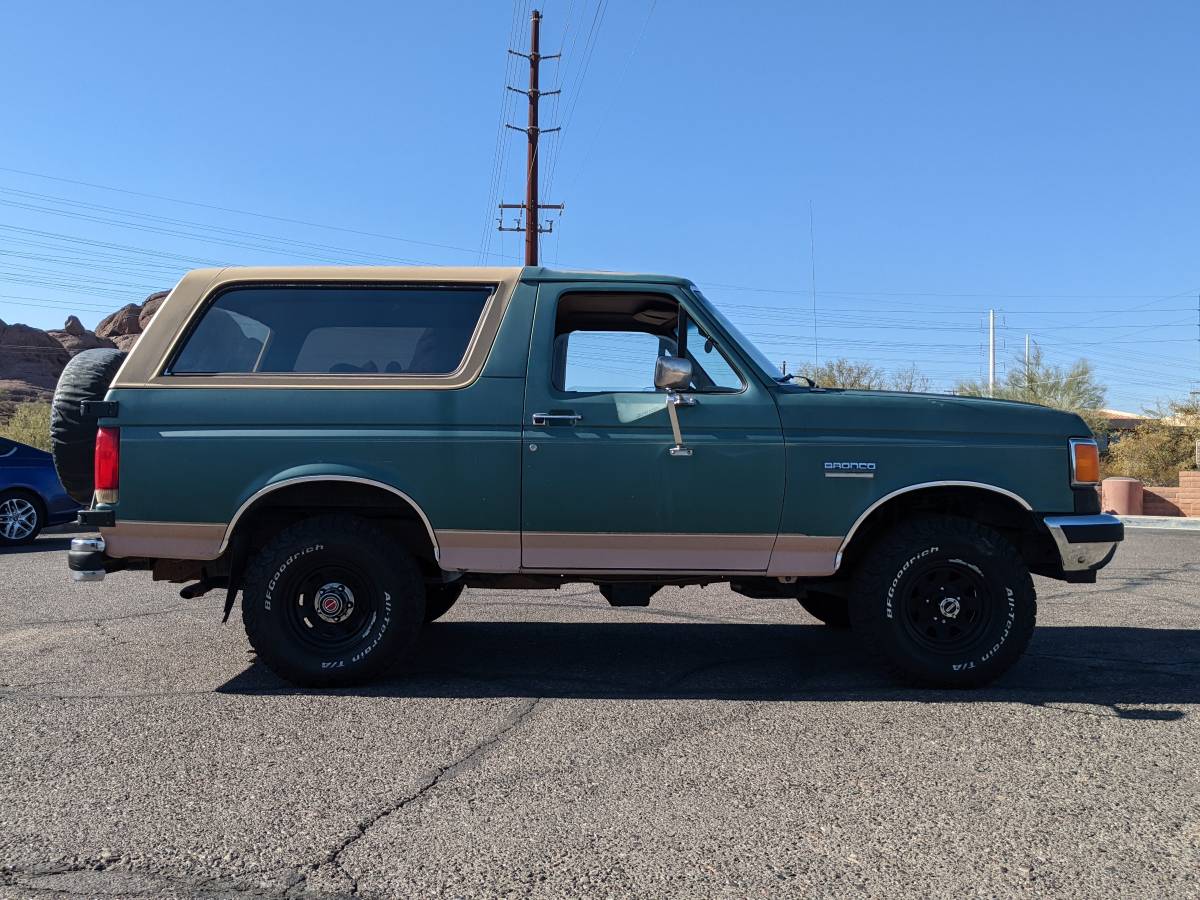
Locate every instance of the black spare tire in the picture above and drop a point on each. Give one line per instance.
(73, 437)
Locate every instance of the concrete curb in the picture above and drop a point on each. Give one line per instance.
(1181, 523)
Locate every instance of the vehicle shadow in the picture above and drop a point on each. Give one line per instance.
(43, 544)
(1110, 667)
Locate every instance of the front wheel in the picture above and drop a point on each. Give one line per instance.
(20, 518)
(332, 601)
(944, 602)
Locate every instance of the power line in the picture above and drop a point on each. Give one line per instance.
(624, 70)
(576, 89)
(240, 212)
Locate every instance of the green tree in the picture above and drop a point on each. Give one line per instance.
(1160, 447)
(29, 424)
(844, 373)
(1073, 388)
(910, 380)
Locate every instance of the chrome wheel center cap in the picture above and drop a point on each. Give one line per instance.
(334, 602)
(950, 607)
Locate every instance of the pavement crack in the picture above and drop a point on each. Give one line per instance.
(446, 773)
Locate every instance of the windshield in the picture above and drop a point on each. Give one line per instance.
(757, 356)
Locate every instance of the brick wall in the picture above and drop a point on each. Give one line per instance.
(1160, 501)
(1189, 493)
(1170, 501)
(1174, 501)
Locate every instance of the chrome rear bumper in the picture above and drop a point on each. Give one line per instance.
(1085, 543)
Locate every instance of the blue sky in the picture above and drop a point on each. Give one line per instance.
(1039, 159)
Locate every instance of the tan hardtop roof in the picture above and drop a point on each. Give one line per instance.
(426, 273)
(145, 364)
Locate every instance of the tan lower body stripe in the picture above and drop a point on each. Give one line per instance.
(508, 551)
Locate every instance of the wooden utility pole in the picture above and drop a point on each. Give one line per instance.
(531, 207)
(991, 353)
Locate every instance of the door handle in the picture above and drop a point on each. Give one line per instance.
(556, 418)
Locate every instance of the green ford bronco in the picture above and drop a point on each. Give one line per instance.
(351, 448)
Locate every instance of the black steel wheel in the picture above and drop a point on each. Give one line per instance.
(944, 602)
(946, 606)
(332, 601)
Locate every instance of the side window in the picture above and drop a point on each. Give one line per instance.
(224, 341)
(334, 330)
(609, 361)
(609, 341)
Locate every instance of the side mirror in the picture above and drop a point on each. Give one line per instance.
(672, 373)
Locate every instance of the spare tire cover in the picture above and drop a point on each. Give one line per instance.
(72, 437)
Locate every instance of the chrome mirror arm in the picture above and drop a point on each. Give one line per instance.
(675, 400)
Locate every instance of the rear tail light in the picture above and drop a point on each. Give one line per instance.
(1085, 462)
(108, 464)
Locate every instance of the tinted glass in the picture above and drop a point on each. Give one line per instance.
(334, 330)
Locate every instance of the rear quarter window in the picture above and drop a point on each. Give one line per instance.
(334, 330)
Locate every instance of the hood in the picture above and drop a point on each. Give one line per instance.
(837, 411)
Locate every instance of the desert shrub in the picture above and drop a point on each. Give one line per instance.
(29, 424)
(1159, 448)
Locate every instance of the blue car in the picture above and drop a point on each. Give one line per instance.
(31, 496)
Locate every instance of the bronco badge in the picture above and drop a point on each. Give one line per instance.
(849, 470)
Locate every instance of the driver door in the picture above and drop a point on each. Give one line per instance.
(602, 489)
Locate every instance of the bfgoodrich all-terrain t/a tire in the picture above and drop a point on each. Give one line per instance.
(944, 602)
(332, 601)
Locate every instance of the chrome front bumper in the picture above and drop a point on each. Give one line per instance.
(1085, 543)
(85, 559)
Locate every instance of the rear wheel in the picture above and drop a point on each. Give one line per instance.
(439, 598)
(21, 518)
(332, 601)
(944, 602)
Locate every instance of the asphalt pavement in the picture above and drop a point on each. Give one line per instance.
(543, 744)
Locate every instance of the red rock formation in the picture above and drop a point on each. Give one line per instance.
(31, 359)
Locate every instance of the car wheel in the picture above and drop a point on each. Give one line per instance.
(831, 609)
(439, 598)
(21, 518)
(944, 602)
(332, 601)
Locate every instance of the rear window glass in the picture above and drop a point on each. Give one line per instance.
(334, 330)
